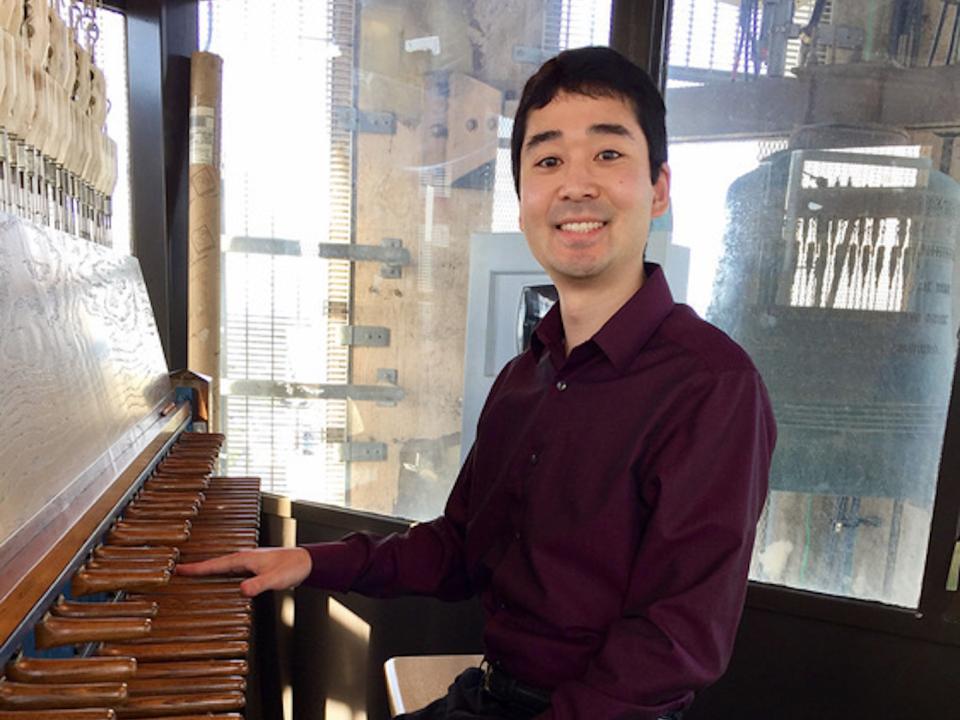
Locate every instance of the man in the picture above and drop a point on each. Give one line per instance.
(606, 512)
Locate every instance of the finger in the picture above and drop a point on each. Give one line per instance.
(234, 563)
(252, 587)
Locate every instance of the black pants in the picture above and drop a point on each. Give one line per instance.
(467, 700)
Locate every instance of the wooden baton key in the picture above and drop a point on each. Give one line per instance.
(176, 686)
(121, 608)
(89, 582)
(49, 696)
(193, 669)
(73, 714)
(55, 631)
(71, 670)
(162, 705)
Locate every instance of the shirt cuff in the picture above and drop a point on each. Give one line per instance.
(335, 564)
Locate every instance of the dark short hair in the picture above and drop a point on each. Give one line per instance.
(594, 72)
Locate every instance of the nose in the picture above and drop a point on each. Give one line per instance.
(578, 182)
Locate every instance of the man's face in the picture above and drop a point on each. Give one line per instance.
(586, 198)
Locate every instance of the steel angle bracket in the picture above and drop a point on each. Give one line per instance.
(365, 336)
(365, 121)
(530, 55)
(313, 391)
(363, 452)
(390, 252)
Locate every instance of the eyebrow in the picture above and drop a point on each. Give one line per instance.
(596, 129)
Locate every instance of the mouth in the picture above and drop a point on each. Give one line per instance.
(581, 227)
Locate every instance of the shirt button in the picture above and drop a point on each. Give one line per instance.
(516, 535)
(534, 459)
(561, 385)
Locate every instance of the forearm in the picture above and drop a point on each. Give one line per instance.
(424, 560)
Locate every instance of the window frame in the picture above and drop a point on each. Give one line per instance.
(642, 30)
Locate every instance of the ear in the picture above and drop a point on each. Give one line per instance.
(520, 220)
(661, 192)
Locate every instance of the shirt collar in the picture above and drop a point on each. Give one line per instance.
(630, 328)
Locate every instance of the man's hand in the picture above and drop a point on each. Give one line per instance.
(272, 568)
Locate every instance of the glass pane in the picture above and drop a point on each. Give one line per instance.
(816, 206)
(383, 125)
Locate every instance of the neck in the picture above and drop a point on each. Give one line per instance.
(585, 308)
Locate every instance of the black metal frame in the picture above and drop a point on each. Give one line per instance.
(160, 40)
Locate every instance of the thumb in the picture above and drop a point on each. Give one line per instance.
(251, 587)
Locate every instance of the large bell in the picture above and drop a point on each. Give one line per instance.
(836, 278)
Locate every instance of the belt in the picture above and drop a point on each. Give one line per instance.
(507, 689)
(510, 691)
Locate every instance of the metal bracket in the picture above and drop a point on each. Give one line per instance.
(363, 452)
(844, 37)
(313, 391)
(388, 376)
(365, 336)
(364, 121)
(390, 252)
(530, 55)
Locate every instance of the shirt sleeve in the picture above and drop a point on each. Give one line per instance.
(707, 484)
(427, 559)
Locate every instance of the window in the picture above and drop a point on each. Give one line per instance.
(818, 223)
(380, 133)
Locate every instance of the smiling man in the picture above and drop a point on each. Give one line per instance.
(605, 515)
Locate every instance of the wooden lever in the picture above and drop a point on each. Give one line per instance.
(28, 696)
(130, 563)
(149, 525)
(188, 623)
(225, 590)
(193, 669)
(157, 705)
(146, 512)
(210, 605)
(147, 536)
(71, 670)
(176, 686)
(55, 631)
(88, 582)
(157, 484)
(118, 551)
(218, 634)
(154, 652)
(123, 608)
(76, 714)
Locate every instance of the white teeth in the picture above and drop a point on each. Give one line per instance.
(581, 227)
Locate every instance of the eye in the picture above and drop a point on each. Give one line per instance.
(609, 155)
(548, 162)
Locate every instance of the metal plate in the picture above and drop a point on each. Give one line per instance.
(81, 363)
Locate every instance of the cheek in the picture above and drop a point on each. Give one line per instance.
(532, 207)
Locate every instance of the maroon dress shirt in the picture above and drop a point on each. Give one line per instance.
(605, 514)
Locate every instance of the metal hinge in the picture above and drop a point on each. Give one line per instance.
(364, 121)
(390, 252)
